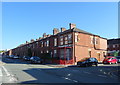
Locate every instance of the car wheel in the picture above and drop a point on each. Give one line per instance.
(115, 62)
(110, 62)
(96, 64)
(86, 65)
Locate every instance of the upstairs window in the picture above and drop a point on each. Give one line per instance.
(47, 43)
(76, 37)
(69, 38)
(91, 39)
(66, 40)
(41, 44)
(61, 40)
(96, 40)
(37, 44)
(55, 42)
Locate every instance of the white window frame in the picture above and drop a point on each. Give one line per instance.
(61, 40)
(76, 37)
(47, 43)
(55, 41)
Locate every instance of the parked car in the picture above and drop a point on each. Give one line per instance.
(36, 59)
(118, 59)
(110, 60)
(7, 56)
(15, 57)
(27, 58)
(11, 56)
(88, 62)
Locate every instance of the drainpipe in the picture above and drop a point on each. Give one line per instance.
(74, 48)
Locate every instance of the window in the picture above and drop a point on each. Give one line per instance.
(37, 44)
(55, 42)
(33, 46)
(113, 46)
(76, 37)
(96, 40)
(61, 40)
(41, 51)
(91, 39)
(47, 51)
(61, 53)
(66, 40)
(69, 38)
(55, 53)
(41, 44)
(47, 43)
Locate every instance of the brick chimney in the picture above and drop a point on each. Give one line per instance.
(27, 42)
(32, 40)
(37, 39)
(48, 35)
(72, 25)
(44, 35)
(55, 31)
(63, 29)
(40, 38)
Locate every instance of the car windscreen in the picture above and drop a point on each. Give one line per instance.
(92, 59)
(36, 58)
(118, 57)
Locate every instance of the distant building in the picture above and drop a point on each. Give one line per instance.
(65, 46)
(114, 47)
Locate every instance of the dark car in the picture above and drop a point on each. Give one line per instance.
(11, 56)
(36, 59)
(88, 62)
(27, 58)
(118, 59)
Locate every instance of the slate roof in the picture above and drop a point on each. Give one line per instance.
(114, 41)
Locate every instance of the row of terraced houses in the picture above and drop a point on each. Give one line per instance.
(66, 46)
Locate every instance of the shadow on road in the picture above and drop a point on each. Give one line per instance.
(58, 75)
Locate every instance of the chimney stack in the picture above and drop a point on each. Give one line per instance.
(44, 35)
(48, 35)
(27, 42)
(72, 25)
(40, 38)
(32, 40)
(55, 31)
(63, 29)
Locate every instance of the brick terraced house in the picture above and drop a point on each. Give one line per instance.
(65, 46)
(114, 47)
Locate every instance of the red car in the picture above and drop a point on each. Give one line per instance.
(110, 60)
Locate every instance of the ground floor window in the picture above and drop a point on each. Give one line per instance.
(66, 54)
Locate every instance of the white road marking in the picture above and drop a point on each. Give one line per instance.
(1, 72)
(8, 74)
(69, 79)
(87, 72)
(102, 76)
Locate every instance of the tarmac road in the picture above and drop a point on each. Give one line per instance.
(19, 71)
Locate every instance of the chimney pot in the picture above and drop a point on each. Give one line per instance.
(72, 25)
(55, 31)
(44, 35)
(63, 29)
